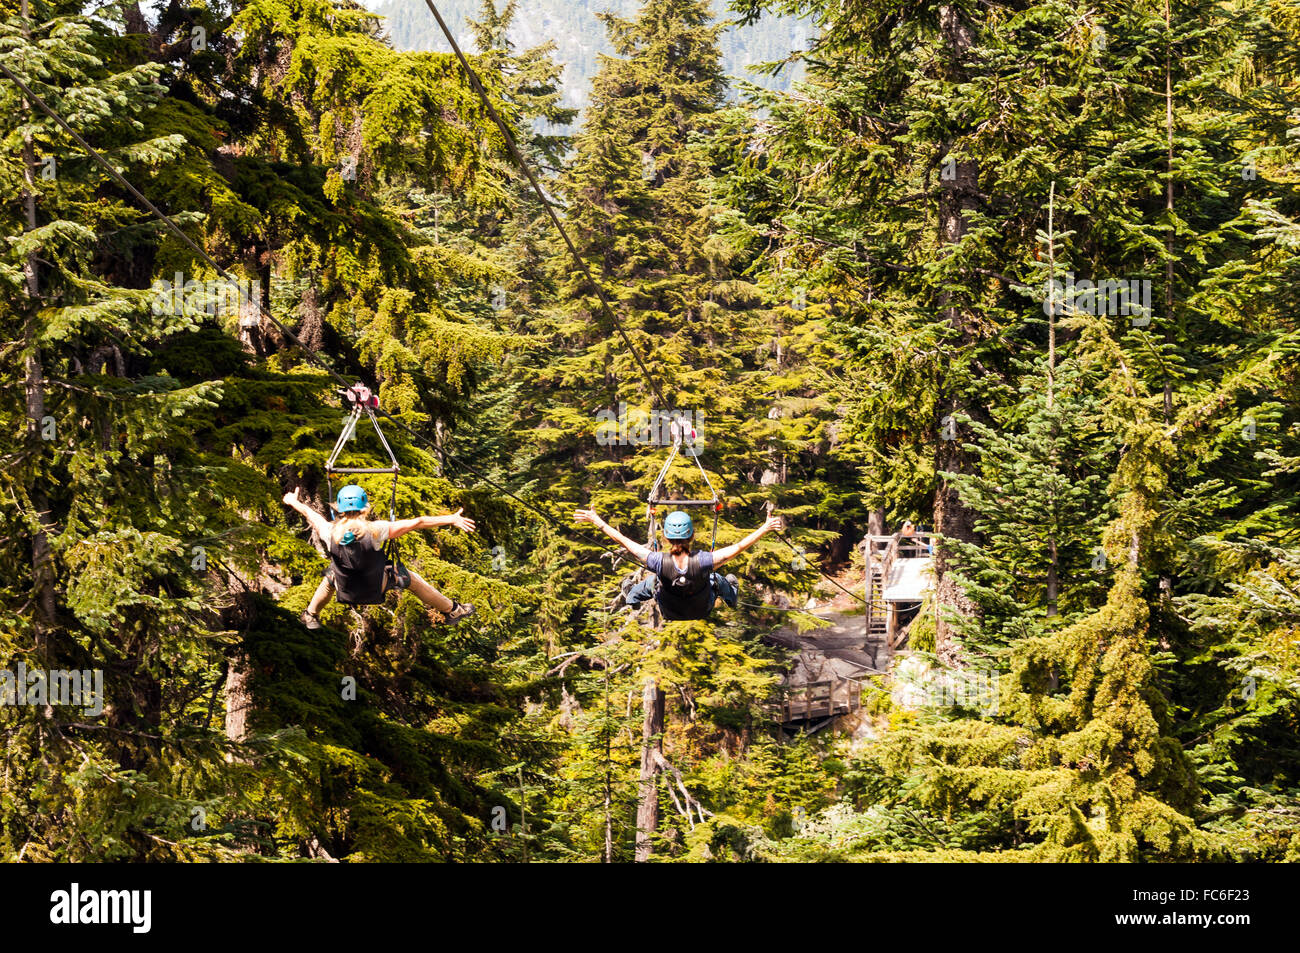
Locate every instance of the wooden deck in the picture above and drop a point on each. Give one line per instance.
(834, 661)
(813, 701)
(828, 675)
(845, 638)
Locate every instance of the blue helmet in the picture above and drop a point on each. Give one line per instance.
(351, 499)
(678, 525)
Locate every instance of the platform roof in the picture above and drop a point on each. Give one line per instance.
(909, 579)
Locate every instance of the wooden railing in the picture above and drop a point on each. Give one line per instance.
(821, 699)
(909, 547)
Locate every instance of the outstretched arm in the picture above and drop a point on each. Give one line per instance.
(319, 523)
(720, 556)
(592, 517)
(401, 527)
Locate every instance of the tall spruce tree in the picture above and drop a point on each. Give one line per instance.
(643, 203)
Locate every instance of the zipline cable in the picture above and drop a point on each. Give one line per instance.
(312, 353)
(509, 138)
(520, 161)
(831, 579)
(446, 456)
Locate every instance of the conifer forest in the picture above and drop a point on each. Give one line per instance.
(889, 452)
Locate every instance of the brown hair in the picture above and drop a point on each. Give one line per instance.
(678, 546)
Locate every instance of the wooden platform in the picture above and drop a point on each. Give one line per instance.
(898, 575)
(836, 689)
(827, 677)
(845, 638)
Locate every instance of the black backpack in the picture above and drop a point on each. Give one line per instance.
(358, 573)
(684, 593)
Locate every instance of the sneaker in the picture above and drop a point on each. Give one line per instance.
(735, 588)
(310, 619)
(459, 611)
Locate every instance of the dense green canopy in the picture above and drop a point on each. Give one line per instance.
(1024, 272)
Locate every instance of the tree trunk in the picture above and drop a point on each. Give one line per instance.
(652, 727)
(239, 696)
(953, 520)
(134, 19)
(1053, 575)
(34, 393)
(956, 199)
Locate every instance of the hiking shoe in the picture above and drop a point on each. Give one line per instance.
(459, 611)
(310, 619)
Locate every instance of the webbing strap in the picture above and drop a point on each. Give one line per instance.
(675, 428)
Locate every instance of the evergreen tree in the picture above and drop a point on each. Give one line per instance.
(107, 501)
(1165, 188)
(1040, 494)
(643, 201)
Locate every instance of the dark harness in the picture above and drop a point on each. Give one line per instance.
(684, 593)
(688, 593)
(362, 575)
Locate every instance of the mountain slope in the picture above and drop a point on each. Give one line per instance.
(580, 37)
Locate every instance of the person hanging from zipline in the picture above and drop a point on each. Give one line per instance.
(360, 571)
(682, 581)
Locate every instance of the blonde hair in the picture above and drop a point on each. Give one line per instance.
(357, 523)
